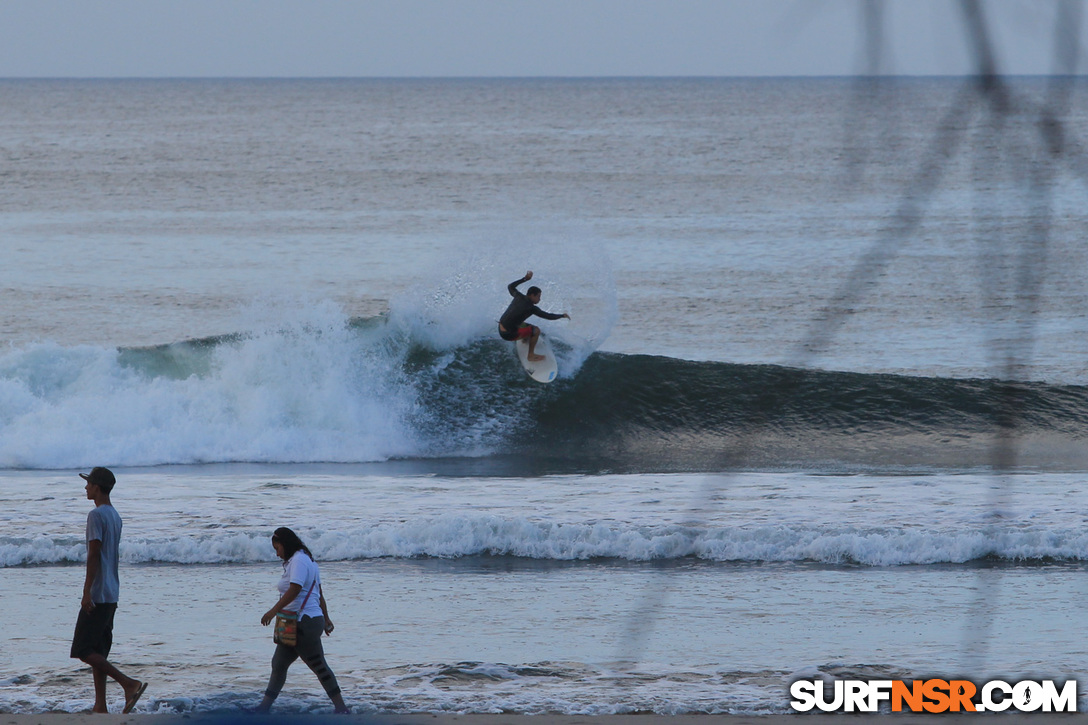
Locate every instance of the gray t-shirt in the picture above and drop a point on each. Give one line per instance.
(104, 524)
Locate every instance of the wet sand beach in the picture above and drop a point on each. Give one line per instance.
(501, 719)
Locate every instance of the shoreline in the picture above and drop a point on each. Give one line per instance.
(393, 719)
(510, 719)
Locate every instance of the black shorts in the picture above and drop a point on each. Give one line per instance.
(94, 631)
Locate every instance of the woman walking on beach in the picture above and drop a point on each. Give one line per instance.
(300, 580)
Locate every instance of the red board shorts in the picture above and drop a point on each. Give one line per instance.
(520, 334)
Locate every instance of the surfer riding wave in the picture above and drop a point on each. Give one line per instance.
(512, 325)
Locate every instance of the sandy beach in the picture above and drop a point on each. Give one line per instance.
(435, 719)
(420, 719)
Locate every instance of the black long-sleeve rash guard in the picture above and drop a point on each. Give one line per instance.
(521, 309)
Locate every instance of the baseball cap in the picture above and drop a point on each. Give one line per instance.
(101, 477)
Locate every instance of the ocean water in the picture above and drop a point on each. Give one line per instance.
(821, 407)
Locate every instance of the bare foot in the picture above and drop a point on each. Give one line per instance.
(265, 706)
(536, 358)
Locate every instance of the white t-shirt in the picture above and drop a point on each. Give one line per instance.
(302, 570)
(104, 525)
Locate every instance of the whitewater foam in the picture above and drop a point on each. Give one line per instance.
(301, 385)
(298, 382)
(457, 536)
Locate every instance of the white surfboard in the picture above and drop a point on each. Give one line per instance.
(542, 371)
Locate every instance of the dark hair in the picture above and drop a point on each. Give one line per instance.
(532, 291)
(290, 541)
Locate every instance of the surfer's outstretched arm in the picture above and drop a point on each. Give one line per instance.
(549, 315)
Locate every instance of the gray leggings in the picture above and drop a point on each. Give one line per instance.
(310, 650)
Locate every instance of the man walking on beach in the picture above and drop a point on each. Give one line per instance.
(94, 627)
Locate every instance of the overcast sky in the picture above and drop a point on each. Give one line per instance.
(394, 38)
